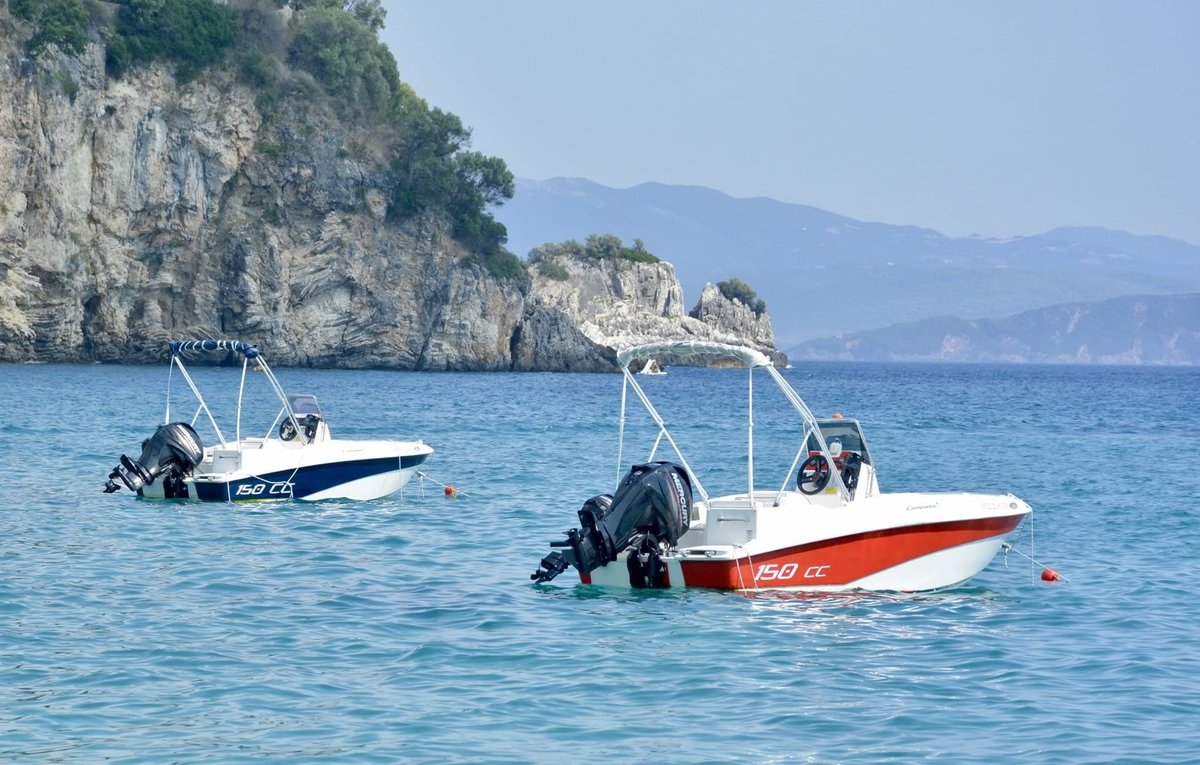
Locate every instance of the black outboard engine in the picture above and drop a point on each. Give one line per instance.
(651, 509)
(173, 450)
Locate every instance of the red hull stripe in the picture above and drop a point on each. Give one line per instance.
(842, 560)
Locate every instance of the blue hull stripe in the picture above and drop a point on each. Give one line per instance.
(305, 481)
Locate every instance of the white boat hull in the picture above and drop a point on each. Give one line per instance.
(271, 470)
(897, 542)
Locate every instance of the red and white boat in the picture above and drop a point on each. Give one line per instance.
(829, 527)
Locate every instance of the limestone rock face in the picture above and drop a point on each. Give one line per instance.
(617, 303)
(735, 319)
(139, 211)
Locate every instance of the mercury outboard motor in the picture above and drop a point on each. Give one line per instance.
(651, 508)
(174, 449)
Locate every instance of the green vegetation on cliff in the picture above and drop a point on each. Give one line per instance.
(595, 248)
(63, 23)
(344, 55)
(736, 289)
(194, 34)
(301, 56)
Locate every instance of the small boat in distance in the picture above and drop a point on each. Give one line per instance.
(652, 368)
(828, 527)
(297, 458)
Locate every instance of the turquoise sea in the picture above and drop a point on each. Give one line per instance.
(406, 629)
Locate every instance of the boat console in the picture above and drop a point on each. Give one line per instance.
(306, 413)
(851, 458)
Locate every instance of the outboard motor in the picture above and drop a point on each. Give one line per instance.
(173, 450)
(651, 509)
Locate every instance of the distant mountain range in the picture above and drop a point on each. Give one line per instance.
(823, 274)
(1146, 329)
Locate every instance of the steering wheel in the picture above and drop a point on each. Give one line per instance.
(819, 467)
(287, 431)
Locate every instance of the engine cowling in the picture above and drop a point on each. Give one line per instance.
(651, 507)
(174, 449)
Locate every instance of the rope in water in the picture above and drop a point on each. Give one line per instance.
(447, 489)
(1048, 574)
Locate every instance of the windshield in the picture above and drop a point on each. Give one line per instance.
(846, 432)
(303, 403)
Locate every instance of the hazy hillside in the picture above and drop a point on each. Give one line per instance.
(823, 274)
(1146, 329)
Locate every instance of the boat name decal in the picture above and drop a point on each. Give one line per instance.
(770, 571)
(277, 489)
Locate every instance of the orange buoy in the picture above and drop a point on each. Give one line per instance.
(450, 491)
(1050, 575)
(837, 415)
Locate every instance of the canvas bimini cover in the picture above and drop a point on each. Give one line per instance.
(688, 349)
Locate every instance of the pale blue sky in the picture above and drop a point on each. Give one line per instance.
(996, 118)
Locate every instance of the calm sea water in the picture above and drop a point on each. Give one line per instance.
(406, 629)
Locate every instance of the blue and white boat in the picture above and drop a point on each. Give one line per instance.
(297, 457)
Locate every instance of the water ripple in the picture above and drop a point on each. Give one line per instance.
(406, 629)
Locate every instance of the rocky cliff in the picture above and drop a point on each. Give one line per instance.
(143, 210)
(617, 303)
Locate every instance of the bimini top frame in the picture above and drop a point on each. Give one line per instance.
(752, 360)
(250, 353)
